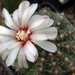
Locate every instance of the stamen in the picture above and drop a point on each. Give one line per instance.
(21, 35)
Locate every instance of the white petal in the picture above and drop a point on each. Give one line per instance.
(12, 56)
(24, 18)
(5, 45)
(14, 44)
(6, 31)
(28, 13)
(38, 37)
(4, 54)
(22, 8)
(31, 48)
(34, 18)
(36, 23)
(46, 45)
(33, 7)
(5, 38)
(51, 32)
(48, 22)
(16, 17)
(29, 56)
(22, 59)
(8, 20)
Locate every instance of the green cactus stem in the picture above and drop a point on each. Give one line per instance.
(63, 60)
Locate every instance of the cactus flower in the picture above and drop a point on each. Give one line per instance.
(25, 30)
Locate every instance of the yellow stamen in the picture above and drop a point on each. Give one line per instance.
(21, 35)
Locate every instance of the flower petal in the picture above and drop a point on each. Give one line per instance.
(34, 18)
(4, 54)
(33, 7)
(8, 20)
(22, 7)
(29, 56)
(51, 32)
(5, 45)
(39, 37)
(16, 17)
(36, 23)
(28, 13)
(46, 45)
(22, 59)
(6, 31)
(14, 44)
(12, 56)
(48, 22)
(24, 18)
(5, 38)
(31, 48)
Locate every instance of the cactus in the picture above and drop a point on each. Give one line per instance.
(11, 5)
(63, 60)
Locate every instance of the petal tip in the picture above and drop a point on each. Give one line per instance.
(36, 4)
(54, 49)
(4, 10)
(52, 21)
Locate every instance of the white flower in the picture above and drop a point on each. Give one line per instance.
(17, 41)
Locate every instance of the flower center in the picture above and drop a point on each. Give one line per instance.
(21, 35)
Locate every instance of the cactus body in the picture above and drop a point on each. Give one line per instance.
(63, 60)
